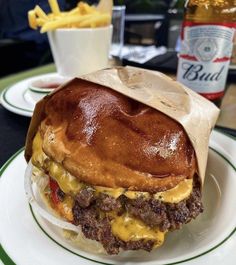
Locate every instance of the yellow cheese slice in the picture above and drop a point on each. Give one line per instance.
(70, 184)
(129, 228)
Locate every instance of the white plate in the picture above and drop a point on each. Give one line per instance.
(211, 239)
(17, 99)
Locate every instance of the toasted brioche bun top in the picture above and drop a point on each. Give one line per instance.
(107, 139)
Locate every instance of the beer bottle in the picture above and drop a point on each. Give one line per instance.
(206, 46)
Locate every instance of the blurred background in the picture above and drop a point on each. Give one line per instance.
(147, 22)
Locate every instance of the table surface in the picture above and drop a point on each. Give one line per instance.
(14, 127)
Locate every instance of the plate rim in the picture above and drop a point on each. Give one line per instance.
(6, 101)
(6, 259)
(13, 108)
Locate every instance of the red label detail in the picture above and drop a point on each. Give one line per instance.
(223, 59)
(212, 96)
(188, 57)
(224, 24)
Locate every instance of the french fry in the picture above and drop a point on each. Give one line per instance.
(82, 16)
(63, 22)
(105, 6)
(54, 7)
(32, 19)
(94, 21)
(74, 11)
(50, 16)
(40, 22)
(86, 9)
(40, 13)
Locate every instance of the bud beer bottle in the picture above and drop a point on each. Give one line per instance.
(206, 47)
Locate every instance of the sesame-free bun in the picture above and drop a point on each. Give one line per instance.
(107, 139)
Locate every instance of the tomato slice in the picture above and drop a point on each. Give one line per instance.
(54, 189)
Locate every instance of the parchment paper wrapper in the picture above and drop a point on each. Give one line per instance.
(196, 114)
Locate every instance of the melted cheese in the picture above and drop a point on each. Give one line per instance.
(175, 195)
(135, 194)
(178, 193)
(65, 208)
(38, 156)
(70, 184)
(128, 228)
(65, 180)
(110, 191)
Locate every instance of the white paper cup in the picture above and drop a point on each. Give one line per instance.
(80, 51)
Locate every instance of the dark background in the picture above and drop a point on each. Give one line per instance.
(22, 48)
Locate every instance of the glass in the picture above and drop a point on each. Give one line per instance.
(175, 17)
(118, 22)
(233, 59)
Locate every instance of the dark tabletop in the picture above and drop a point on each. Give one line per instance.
(13, 132)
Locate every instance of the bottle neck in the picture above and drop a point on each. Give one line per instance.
(210, 11)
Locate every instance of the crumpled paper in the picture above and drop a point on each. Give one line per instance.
(196, 114)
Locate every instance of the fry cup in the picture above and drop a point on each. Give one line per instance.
(80, 51)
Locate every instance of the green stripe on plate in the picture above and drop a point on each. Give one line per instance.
(5, 258)
(9, 103)
(226, 159)
(226, 134)
(36, 220)
(40, 92)
(4, 255)
(100, 262)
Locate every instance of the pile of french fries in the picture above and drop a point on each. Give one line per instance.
(82, 16)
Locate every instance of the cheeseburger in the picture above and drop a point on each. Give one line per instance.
(123, 172)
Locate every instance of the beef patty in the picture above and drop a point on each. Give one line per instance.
(155, 213)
